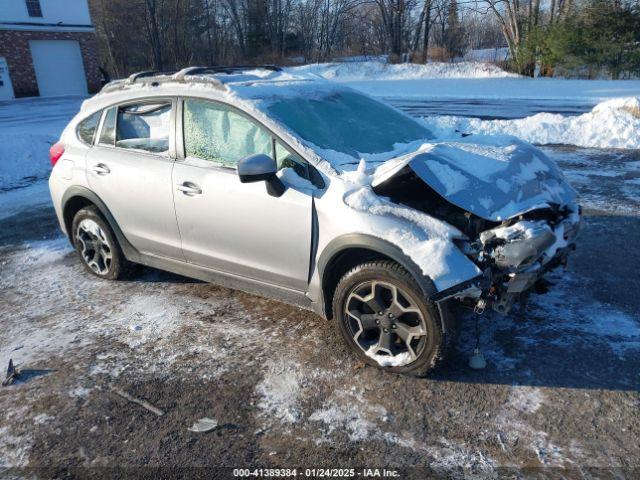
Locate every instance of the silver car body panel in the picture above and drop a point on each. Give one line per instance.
(239, 228)
(139, 194)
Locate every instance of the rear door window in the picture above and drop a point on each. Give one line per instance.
(144, 127)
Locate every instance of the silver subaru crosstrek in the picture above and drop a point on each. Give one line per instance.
(300, 189)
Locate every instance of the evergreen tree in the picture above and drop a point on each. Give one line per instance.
(453, 37)
(257, 36)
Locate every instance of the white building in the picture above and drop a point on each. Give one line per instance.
(49, 47)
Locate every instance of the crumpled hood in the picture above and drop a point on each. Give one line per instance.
(494, 178)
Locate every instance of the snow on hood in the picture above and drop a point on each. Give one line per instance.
(494, 178)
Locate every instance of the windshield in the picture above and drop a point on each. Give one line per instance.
(348, 122)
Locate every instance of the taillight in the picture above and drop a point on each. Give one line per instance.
(55, 152)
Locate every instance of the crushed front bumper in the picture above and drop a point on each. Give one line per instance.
(515, 267)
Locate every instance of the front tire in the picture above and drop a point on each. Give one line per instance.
(384, 317)
(97, 246)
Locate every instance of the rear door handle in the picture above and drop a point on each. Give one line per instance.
(189, 188)
(101, 169)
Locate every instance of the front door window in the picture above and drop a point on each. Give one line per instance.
(221, 135)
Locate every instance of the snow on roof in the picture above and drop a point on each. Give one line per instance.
(263, 81)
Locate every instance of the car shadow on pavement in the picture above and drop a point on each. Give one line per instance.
(152, 275)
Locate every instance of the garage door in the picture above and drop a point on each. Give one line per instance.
(59, 68)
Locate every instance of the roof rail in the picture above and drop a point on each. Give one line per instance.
(161, 77)
(135, 76)
(222, 69)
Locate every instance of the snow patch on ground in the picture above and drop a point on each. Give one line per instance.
(279, 391)
(43, 418)
(350, 412)
(80, 392)
(14, 450)
(588, 318)
(405, 71)
(451, 457)
(24, 157)
(525, 399)
(25, 198)
(611, 124)
(513, 429)
(162, 337)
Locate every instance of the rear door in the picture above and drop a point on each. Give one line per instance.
(130, 167)
(234, 227)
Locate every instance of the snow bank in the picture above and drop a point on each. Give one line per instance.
(487, 55)
(611, 124)
(354, 71)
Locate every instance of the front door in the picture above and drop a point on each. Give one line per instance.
(234, 227)
(130, 167)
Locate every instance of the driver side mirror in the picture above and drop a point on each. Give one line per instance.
(258, 168)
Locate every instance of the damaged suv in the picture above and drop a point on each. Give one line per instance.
(300, 189)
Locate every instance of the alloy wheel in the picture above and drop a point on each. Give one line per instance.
(95, 249)
(385, 323)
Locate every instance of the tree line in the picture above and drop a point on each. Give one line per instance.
(575, 37)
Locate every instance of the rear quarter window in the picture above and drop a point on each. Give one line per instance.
(86, 129)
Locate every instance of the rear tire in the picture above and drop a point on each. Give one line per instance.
(406, 335)
(97, 246)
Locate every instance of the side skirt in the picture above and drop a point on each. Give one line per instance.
(236, 282)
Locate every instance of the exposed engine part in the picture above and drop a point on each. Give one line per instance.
(408, 189)
(518, 246)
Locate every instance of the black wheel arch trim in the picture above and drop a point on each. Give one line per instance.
(76, 191)
(377, 245)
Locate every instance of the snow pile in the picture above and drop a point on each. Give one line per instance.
(355, 71)
(611, 124)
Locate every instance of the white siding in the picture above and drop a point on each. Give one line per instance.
(53, 11)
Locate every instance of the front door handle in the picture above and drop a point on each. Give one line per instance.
(101, 169)
(189, 188)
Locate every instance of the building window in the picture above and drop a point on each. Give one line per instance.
(33, 7)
